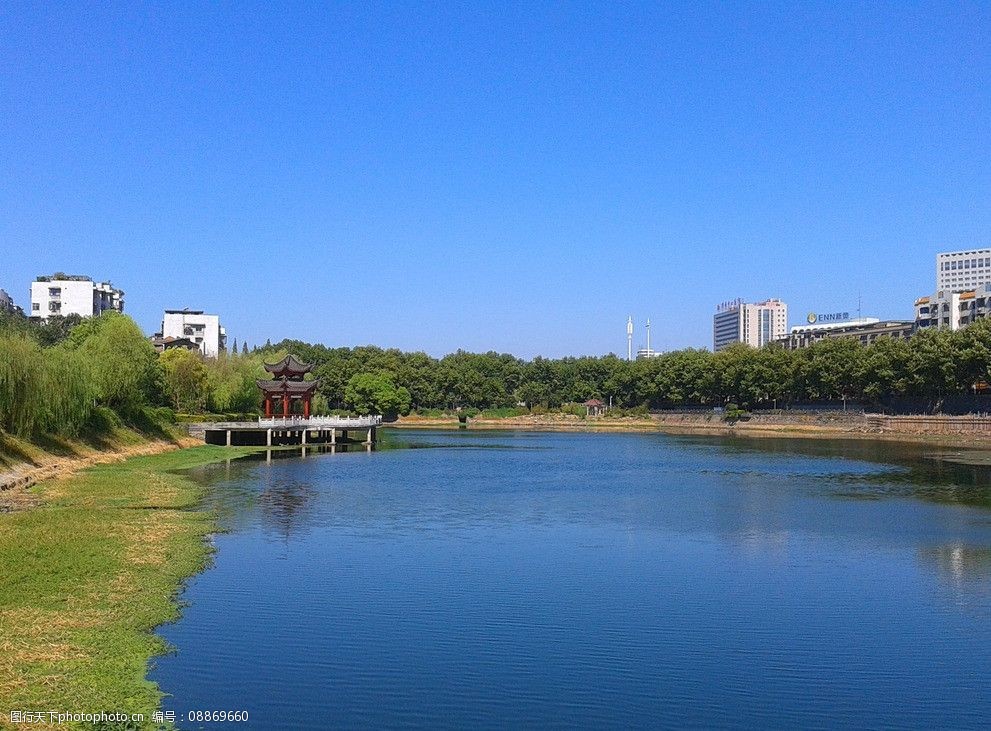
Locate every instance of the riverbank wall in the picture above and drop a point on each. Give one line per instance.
(938, 430)
(978, 426)
(648, 422)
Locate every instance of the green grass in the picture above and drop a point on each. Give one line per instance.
(87, 575)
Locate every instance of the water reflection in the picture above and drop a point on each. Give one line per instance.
(523, 580)
(959, 563)
(886, 469)
(287, 507)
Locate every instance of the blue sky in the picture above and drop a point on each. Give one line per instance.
(516, 177)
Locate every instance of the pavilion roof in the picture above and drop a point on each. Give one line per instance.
(284, 385)
(288, 366)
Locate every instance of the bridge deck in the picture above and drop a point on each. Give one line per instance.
(297, 424)
(292, 430)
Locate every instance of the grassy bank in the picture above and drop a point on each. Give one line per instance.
(88, 573)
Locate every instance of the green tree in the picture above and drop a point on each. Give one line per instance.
(376, 393)
(185, 378)
(122, 364)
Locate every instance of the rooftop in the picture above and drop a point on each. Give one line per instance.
(63, 277)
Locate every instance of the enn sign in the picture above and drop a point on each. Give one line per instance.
(828, 317)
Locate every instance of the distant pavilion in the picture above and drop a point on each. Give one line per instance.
(287, 385)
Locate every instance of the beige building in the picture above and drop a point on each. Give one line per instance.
(754, 324)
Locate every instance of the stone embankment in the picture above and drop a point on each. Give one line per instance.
(938, 430)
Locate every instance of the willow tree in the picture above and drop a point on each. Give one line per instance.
(22, 405)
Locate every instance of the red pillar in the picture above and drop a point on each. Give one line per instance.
(285, 404)
(268, 406)
(306, 407)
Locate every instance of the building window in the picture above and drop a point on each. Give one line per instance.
(35, 306)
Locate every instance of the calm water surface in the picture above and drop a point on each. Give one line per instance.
(502, 579)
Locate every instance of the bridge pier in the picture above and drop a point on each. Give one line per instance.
(306, 432)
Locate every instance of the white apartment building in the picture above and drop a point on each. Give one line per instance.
(67, 294)
(961, 271)
(204, 330)
(754, 324)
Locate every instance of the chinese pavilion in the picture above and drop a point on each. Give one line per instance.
(287, 385)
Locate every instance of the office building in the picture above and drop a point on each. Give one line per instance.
(961, 271)
(204, 330)
(864, 329)
(67, 294)
(754, 324)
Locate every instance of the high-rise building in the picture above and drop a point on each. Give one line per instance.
(204, 330)
(960, 271)
(70, 294)
(754, 324)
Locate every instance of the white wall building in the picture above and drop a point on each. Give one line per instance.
(960, 271)
(754, 324)
(65, 294)
(204, 330)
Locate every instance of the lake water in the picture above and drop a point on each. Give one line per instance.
(503, 579)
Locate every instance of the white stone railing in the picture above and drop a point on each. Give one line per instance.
(321, 422)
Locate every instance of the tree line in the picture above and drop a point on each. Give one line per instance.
(932, 366)
(67, 376)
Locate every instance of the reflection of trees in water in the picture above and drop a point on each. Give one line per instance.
(287, 506)
(916, 470)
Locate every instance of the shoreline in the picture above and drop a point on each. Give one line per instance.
(756, 428)
(92, 569)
